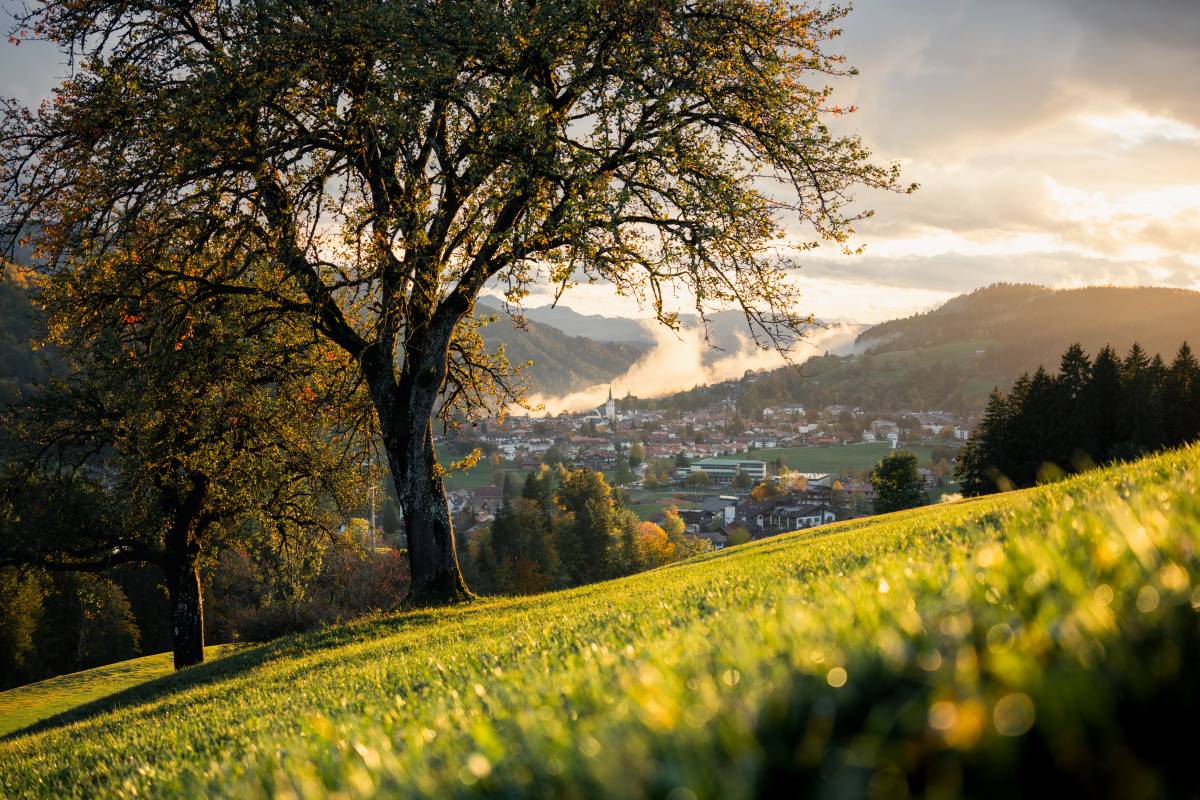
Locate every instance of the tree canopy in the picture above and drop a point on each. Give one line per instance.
(897, 483)
(366, 169)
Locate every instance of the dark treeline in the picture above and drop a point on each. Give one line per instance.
(1090, 413)
(565, 528)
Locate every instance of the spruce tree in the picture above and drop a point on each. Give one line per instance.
(979, 461)
(1102, 405)
(505, 538)
(1074, 373)
(586, 535)
(1137, 422)
(1034, 432)
(1181, 399)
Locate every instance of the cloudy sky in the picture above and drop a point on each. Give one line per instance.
(1055, 141)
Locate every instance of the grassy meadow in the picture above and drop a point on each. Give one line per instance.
(26, 705)
(853, 457)
(1041, 640)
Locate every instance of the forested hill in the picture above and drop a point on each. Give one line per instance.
(951, 357)
(1022, 326)
(561, 363)
(20, 365)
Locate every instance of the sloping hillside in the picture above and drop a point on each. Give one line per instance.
(561, 363)
(26, 705)
(951, 357)
(1047, 638)
(1024, 325)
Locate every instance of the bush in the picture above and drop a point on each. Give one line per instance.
(243, 606)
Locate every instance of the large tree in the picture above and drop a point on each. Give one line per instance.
(897, 483)
(391, 160)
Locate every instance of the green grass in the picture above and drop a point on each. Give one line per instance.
(855, 457)
(647, 507)
(481, 475)
(26, 705)
(1042, 640)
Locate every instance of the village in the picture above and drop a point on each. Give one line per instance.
(730, 479)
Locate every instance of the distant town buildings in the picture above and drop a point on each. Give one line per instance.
(723, 470)
(716, 440)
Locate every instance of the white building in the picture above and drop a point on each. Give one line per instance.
(816, 478)
(723, 506)
(783, 411)
(792, 518)
(722, 470)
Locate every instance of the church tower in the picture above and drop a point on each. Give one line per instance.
(610, 408)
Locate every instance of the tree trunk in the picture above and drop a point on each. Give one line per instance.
(405, 408)
(181, 547)
(187, 611)
(432, 555)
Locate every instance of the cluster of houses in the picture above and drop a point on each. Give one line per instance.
(716, 441)
(818, 499)
(592, 438)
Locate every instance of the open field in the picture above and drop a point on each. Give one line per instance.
(482, 474)
(854, 457)
(1045, 638)
(26, 705)
(647, 506)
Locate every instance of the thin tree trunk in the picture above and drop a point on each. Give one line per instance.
(187, 611)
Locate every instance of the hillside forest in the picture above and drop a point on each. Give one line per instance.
(951, 357)
(1092, 411)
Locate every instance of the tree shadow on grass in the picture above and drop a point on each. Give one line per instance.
(244, 658)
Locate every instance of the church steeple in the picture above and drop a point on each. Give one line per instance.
(610, 407)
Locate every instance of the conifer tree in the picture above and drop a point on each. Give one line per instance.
(587, 534)
(1181, 398)
(1074, 373)
(1137, 409)
(1103, 404)
(982, 459)
(505, 538)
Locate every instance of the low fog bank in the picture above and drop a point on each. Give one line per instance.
(682, 360)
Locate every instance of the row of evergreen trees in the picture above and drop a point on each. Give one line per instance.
(567, 528)
(1091, 412)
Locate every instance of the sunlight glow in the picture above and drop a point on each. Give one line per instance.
(1136, 127)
